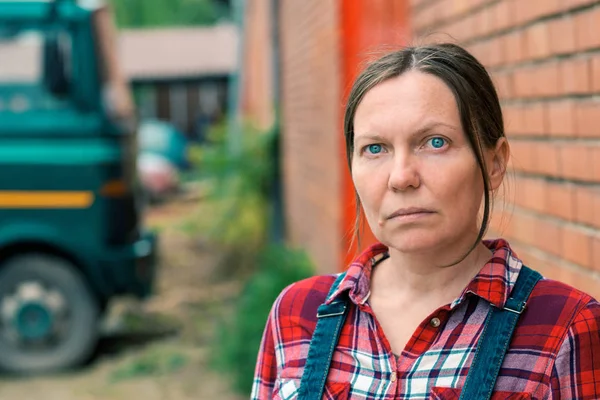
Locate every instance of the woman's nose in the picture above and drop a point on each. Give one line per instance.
(404, 174)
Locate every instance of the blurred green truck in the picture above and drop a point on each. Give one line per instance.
(71, 226)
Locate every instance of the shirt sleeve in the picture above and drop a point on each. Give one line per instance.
(265, 372)
(576, 373)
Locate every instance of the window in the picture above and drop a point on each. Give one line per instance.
(34, 71)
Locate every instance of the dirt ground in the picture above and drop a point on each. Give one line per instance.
(159, 348)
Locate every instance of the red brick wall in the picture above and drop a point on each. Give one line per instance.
(544, 56)
(257, 77)
(311, 123)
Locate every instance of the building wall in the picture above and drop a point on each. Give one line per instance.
(311, 115)
(257, 77)
(323, 46)
(545, 59)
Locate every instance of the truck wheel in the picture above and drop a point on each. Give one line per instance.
(48, 315)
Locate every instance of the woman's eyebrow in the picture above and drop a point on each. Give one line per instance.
(424, 129)
(432, 125)
(369, 136)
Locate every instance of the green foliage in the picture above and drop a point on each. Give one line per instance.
(234, 209)
(154, 362)
(238, 339)
(161, 13)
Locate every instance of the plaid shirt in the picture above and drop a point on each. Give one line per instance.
(554, 353)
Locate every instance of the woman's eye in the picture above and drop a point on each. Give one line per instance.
(437, 142)
(374, 148)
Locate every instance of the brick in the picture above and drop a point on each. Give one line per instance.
(595, 221)
(575, 76)
(460, 7)
(524, 11)
(595, 166)
(515, 47)
(596, 253)
(545, 80)
(547, 7)
(503, 15)
(560, 201)
(562, 35)
(496, 52)
(595, 73)
(577, 246)
(532, 193)
(523, 156)
(587, 30)
(500, 225)
(477, 51)
(584, 206)
(513, 120)
(523, 228)
(546, 156)
(466, 25)
(547, 268)
(503, 84)
(534, 119)
(587, 207)
(538, 41)
(477, 29)
(561, 118)
(575, 162)
(580, 279)
(570, 4)
(587, 118)
(523, 86)
(548, 237)
(487, 21)
(595, 27)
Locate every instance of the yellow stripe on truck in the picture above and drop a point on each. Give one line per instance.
(46, 199)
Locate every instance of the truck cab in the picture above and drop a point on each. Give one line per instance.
(71, 224)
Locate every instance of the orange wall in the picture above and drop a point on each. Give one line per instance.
(368, 27)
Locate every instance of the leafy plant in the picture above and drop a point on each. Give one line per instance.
(161, 13)
(238, 339)
(234, 212)
(154, 362)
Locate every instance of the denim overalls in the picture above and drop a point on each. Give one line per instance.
(492, 346)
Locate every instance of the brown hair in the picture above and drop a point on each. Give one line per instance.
(473, 90)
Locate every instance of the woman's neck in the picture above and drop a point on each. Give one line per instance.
(410, 277)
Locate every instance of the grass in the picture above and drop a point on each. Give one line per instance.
(155, 361)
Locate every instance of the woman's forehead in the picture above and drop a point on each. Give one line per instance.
(412, 100)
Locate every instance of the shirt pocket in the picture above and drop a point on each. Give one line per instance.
(287, 389)
(440, 393)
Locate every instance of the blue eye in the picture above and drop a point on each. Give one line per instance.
(437, 142)
(374, 148)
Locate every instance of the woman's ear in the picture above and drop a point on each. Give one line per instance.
(498, 162)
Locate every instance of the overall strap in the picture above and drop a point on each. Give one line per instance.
(495, 339)
(330, 319)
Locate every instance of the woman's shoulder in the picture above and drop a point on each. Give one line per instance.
(303, 298)
(554, 290)
(557, 303)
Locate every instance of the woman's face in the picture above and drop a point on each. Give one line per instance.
(413, 168)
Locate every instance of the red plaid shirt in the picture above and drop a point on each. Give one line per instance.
(554, 353)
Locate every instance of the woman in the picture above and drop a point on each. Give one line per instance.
(428, 312)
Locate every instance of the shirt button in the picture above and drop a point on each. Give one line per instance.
(393, 377)
(435, 322)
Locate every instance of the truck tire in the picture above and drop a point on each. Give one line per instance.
(48, 315)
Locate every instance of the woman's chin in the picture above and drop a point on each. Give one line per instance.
(413, 243)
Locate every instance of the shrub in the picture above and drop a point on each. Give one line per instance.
(238, 339)
(234, 212)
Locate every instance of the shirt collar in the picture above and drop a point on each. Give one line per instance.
(493, 283)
